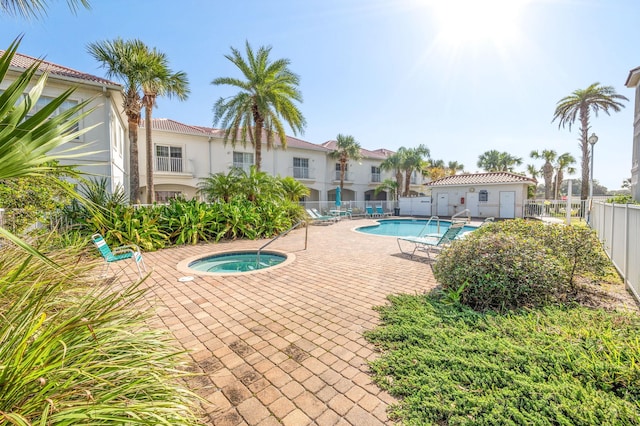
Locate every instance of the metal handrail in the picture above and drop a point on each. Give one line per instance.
(467, 211)
(427, 224)
(276, 237)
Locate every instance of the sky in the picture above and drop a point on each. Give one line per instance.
(459, 76)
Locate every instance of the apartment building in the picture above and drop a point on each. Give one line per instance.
(633, 82)
(104, 147)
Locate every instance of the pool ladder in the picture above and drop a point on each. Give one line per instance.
(426, 225)
(282, 235)
(465, 211)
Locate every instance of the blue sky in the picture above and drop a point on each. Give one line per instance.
(459, 78)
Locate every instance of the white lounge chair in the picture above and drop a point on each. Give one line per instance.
(428, 243)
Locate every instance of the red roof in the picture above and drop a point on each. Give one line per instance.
(378, 153)
(23, 61)
(482, 179)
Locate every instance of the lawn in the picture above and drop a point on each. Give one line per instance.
(564, 364)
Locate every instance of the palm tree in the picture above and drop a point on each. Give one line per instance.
(578, 106)
(35, 8)
(549, 157)
(454, 167)
(158, 79)
(393, 163)
(125, 60)
(412, 160)
(436, 170)
(564, 162)
(220, 186)
(27, 140)
(266, 98)
(346, 149)
(495, 161)
(293, 189)
(389, 185)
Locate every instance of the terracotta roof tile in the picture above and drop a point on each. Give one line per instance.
(378, 153)
(481, 179)
(24, 61)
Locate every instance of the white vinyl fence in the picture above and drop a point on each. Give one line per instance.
(618, 227)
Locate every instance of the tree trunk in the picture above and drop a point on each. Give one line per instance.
(343, 169)
(257, 140)
(407, 183)
(548, 180)
(399, 182)
(584, 144)
(148, 107)
(134, 168)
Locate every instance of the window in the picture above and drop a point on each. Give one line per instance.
(169, 159)
(483, 195)
(375, 174)
(301, 168)
(165, 196)
(45, 100)
(414, 178)
(243, 160)
(346, 171)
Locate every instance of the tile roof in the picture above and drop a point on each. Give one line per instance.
(481, 179)
(24, 61)
(378, 153)
(168, 125)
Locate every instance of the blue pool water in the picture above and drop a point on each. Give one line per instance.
(237, 262)
(408, 227)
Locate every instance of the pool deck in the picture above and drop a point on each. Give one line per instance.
(285, 345)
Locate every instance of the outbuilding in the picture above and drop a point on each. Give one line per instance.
(498, 194)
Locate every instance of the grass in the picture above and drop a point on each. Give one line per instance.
(556, 365)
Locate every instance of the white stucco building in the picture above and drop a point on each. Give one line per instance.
(107, 141)
(633, 82)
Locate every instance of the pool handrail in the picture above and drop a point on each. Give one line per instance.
(282, 235)
(467, 211)
(427, 225)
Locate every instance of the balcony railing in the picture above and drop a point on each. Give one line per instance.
(347, 176)
(375, 177)
(303, 173)
(170, 165)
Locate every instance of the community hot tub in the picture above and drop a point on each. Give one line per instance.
(234, 262)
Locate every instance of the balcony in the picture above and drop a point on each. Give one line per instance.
(166, 165)
(375, 178)
(348, 177)
(303, 173)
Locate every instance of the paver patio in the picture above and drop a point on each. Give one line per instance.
(285, 345)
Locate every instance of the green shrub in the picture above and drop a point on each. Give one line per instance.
(621, 199)
(519, 263)
(499, 272)
(557, 365)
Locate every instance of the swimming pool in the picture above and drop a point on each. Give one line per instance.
(408, 227)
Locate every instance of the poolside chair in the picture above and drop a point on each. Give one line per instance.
(119, 253)
(427, 244)
(324, 216)
(381, 212)
(318, 219)
(369, 212)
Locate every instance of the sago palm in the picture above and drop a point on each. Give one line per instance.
(347, 148)
(549, 156)
(578, 107)
(266, 98)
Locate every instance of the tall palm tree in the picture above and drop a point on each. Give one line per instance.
(125, 61)
(412, 160)
(549, 157)
(564, 163)
(347, 148)
(158, 79)
(578, 106)
(388, 185)
(266, 97)
(495, 161)
(393, 163)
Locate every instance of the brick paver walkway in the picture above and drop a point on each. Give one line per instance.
(285, 345)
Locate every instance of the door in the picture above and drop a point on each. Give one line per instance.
(507, 204)
(443, 204)
(472, 204)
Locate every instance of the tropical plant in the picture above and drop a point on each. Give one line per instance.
(266, 97)
(436, 169)
(393, 163)
(389, 185)
(157, 79)
(564, 163)
(35, 8)
(412, 160)
(578, 106)
(495, 161)
(347, 148)
(26, 141)
(221, 186)
(78, 354)
(293, 189)
(453, 167)
(549, 156)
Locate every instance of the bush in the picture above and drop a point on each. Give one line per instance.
(519, 263)
(500, 272)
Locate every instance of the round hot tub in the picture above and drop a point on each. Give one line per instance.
(234, 262)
